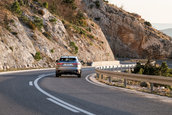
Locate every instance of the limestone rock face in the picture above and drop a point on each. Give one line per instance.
(36, 40)
(127, 33)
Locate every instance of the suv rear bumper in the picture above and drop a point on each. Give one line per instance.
(68, 71)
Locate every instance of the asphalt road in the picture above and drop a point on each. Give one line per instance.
(28, 93)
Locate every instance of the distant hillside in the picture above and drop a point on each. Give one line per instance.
(162, 26)
(168, 31)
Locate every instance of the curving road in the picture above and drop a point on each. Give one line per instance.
(37, 93)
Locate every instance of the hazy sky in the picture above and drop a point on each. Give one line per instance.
(155, 11)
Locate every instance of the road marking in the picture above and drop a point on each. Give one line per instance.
(98, 84)
(146, 95)
(30, 83)
(62, 105)
(57, 99)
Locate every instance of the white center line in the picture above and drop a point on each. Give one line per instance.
(62, 105)
(57, 100)
(30, 83)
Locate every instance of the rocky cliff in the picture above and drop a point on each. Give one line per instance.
(32, 37)
(127, 33)
(34, 33)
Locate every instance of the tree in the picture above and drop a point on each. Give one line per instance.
(141, 71)
(164, 69)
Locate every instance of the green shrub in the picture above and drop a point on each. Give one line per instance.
(164, 69)
(12, 21)
(80, 15)
(16, 8)
(53, 20)
(71, 2)
(141, 71)
(45, 4)
(90, 36)
(52, 50)
(74, 7)
(147, 23)
(80, 19)
(21, 2)
(74, 47)
(28, 22)
(37, 56)
(138, 67)
(38, 22)
(82, 23)
(88, 29)
(149, 69)
(80, 30)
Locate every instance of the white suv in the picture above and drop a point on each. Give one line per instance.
(68, 64)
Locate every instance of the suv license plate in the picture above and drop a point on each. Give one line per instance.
(67, 64)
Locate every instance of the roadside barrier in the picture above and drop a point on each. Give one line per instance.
(118, 72)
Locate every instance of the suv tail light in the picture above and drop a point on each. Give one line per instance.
(59, 63)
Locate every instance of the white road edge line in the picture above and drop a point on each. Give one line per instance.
(55, 98)
(30, 83)
(64, 106)
(87, 78)
(146, 95)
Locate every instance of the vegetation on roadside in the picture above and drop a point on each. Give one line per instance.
(149, 69)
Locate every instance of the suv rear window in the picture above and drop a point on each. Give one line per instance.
(68, 59)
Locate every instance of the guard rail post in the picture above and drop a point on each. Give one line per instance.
(101, 76)
(151, 86)
(110, 79)
(125, 82)
(97, 76)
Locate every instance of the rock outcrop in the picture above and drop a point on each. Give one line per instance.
(35, 38)
(129, 35)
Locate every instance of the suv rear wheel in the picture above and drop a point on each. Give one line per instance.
(79, 75)
(57, 74)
